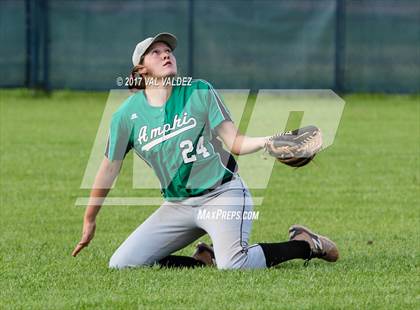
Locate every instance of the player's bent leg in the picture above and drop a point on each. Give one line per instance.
(168, 229)
(230, 235)
(280, 252)
(250, 258)
(221, 216)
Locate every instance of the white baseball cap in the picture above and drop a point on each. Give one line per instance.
(142, 46)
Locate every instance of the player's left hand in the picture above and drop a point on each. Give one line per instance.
(295, 148)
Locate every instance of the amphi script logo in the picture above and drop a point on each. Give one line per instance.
(158, 134)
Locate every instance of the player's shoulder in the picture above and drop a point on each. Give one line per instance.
(201, 84)
(125, 110)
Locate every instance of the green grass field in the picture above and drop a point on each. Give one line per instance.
(363, 192)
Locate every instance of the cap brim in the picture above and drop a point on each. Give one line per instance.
(167, 38)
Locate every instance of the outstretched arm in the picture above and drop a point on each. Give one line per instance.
(104, 179)
(238, 143)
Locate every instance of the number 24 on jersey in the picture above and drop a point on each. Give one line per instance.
(187, 148)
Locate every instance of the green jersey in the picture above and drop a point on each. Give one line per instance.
(178, 140)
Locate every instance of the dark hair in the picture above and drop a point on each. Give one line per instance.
(135, 74)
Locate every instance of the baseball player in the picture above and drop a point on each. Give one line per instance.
(179, 131)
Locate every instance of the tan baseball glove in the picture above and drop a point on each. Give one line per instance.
(295, 148)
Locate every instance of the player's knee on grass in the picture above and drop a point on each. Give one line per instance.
(228, 266)
(115, 264)
(121, 262)
(251, 257)
(231, 262)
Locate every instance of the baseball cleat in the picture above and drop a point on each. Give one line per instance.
(205, 254)
(321, 247)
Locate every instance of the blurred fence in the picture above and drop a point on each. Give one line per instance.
(348, 46)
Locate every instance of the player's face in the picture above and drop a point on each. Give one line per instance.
(159, 61)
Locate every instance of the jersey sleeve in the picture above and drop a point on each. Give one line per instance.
(217, 110)
(119, 142)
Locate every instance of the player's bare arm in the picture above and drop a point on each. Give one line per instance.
(238, 143)
(104, 179)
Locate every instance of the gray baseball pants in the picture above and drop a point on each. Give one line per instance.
(174, 225)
